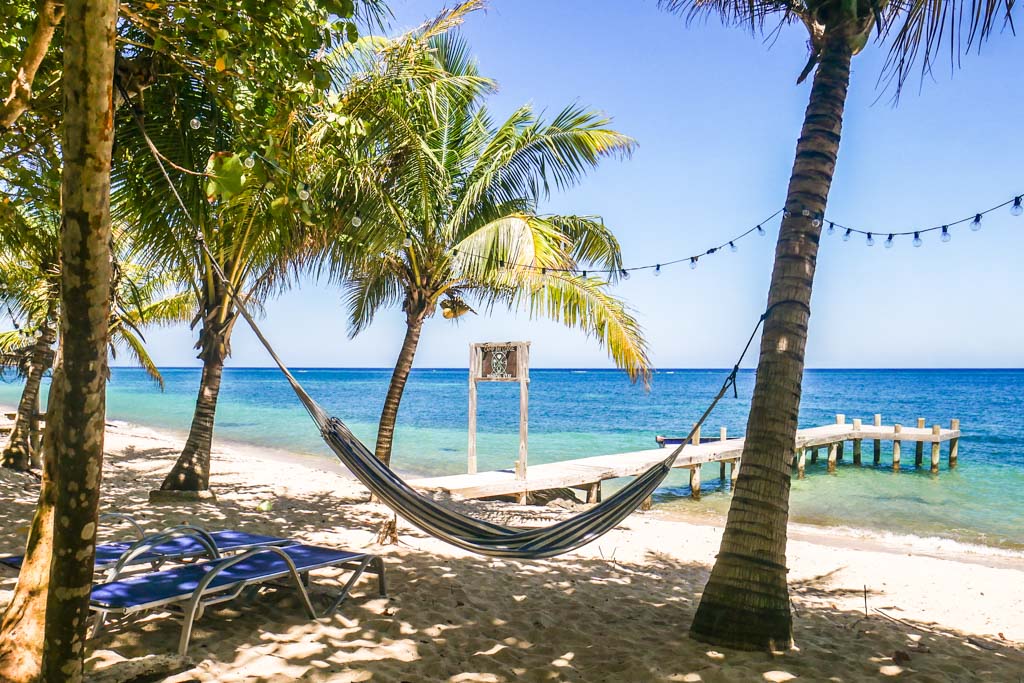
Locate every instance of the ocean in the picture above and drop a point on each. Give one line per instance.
(577, 413)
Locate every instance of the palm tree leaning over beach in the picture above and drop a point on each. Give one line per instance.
(746, 601)
(448, 214)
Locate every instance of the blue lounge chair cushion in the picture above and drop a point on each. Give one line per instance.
(107, 554)
(172, 585)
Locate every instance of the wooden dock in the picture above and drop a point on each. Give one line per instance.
(588, 473)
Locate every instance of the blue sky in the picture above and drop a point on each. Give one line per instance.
(716, 113)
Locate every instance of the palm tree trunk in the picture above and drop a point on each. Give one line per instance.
(746, 601)
(389, 414)
(19, 451)
(74, 440)
(191, 472)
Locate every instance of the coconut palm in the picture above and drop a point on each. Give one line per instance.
(30, 276)
(448, 212)
(746, 602)
(248, 210)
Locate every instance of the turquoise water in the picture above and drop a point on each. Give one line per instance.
(576, 413)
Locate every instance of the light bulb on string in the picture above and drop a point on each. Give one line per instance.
(195, 124)
(657, 270)
(816, 221)
(733, 248)
(250, 161)
(806, 213)
(917, 239)
(693, 263)
(760, 230)
(1017, 208)
(846, 235)
(888, 241)
(624, 273)
(831, 228)
(945, 234)
(584, 273)
(304, 193)
(870, 241)
(976, 223)
(357, 220)
(407, 242)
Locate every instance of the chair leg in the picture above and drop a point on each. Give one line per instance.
(382, 586)
(356, 573)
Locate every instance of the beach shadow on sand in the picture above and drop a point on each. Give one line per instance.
(457, 618)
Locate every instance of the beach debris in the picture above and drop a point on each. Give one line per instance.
(900, 657)
(265, 506)
(148, 668)
(388, 532)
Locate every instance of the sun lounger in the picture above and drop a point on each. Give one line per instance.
(193, 587)
(177, 543)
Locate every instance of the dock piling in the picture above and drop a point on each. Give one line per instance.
(695, 482)
(833, 455)
(878, 442)
(721, 471)
(954, 443)
(856, 442)
(801, 463)
(936, 430)
(840, 420)
(896, 428)
(919, 450)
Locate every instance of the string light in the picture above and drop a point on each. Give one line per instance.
(831, 228)
(357, 220)
(250, 161)
(976, 223)
(945, 234)
(846, 235)
(195, 124)
(888, 241)
(657, 270)
(917, 239)
(870, 240)
(1017, 209)
(760, 231)
(303, 193)
(624, 273)
(693, 263)
(733, 248)
(407, 242)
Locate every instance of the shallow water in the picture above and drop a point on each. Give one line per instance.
(577, 413)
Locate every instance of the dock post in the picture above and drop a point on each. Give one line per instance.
(919, 450)
(695, 482)
(801, 463)
(896, 428)
(721, 471)
(936, 430)
(814, 454)
(856, 442)
(833, 454)
(878, 442)
(695, 441)
(734, 471)
(840, 420)
(954, 443)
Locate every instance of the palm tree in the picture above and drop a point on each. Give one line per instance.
(30, 274)
(448, 211)
(746, 601)
(249, 211)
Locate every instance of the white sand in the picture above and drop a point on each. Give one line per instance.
(617, 610)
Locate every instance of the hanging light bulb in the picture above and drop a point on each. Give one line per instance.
(303, 193)
(917, 239)
(250, 161)
(888, 242)
(624, 273)
(1017, 208)
(195, 124)
(407, 242)
(870, 240)
(945, 234)
(816, 221)
(760, 230)
(831, 228)
(357, 220)
(657, 270)
(543, 271)
(584, 273)
(733, 248)
(976, 223)
(846, 235)
(805, 213)
(693, 263)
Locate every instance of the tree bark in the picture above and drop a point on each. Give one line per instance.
(191, 472)
(746, 601)
(75, 424)
(19, 451)
(20, 94)
(389, 414)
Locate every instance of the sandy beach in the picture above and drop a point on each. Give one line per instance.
(617, 610)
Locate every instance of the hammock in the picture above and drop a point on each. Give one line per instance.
(468, 533)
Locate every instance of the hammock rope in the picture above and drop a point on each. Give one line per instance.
(469, 533)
